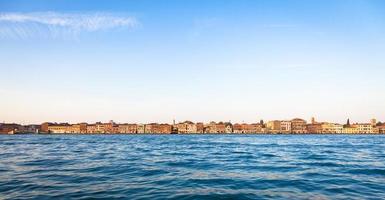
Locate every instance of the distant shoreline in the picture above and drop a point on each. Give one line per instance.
(293, 126)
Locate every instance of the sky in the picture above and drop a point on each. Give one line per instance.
(144, 61)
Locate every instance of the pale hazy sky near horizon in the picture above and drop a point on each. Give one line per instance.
(155, 61)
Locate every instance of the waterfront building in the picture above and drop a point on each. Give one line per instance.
(83, 127)
(314, 128)
(111, 127)
(285, 126)
(122, 128)
(246, 128)
(127, 128)
(32, 128)
(220, 127)
(298, 126)
(375, 130)
(59, 128)
(256, 128)
(44, 127)
(228, 127)
(11, 128)
(74, 128)
(331, 128)
(237, 128)
(164, 128)
(190, 127)
(211, 127)
(181, 127)
(100, 127)
(264, 130)
(141, 128)
(200, 127)
(156, 128)
(274, 126)
(115, 129)
(91, 128)
(67, 128)
(148, 128)
(365, 128)
(251, 128)
(381, 128)
(351, 129)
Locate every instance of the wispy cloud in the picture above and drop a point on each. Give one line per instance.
(54, 24)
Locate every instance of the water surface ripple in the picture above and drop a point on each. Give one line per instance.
(192, 167)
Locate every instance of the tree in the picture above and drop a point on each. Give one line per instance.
(347, 124)
(262, 124)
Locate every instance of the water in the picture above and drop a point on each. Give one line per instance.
(192, 166)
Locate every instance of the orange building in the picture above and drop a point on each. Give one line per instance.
(200, 127)
(164, 128)
(10, 128)
(156, 128)
(237, 128)
(381, 128)
(298, 126)
(91, 128)
(220, 127)
(314, 128)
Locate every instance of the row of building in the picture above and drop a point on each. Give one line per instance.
(12, 128)
(294, 126)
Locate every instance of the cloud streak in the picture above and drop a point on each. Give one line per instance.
(26, 25)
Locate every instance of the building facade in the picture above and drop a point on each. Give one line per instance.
(298, 126)
(331, 128)
(274, 126)
(285, 126)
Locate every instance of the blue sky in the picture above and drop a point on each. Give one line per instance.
(147, 61)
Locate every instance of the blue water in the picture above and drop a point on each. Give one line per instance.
(192, 167)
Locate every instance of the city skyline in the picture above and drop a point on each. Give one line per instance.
(174, 120)
(292, 126)
(146, 61)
